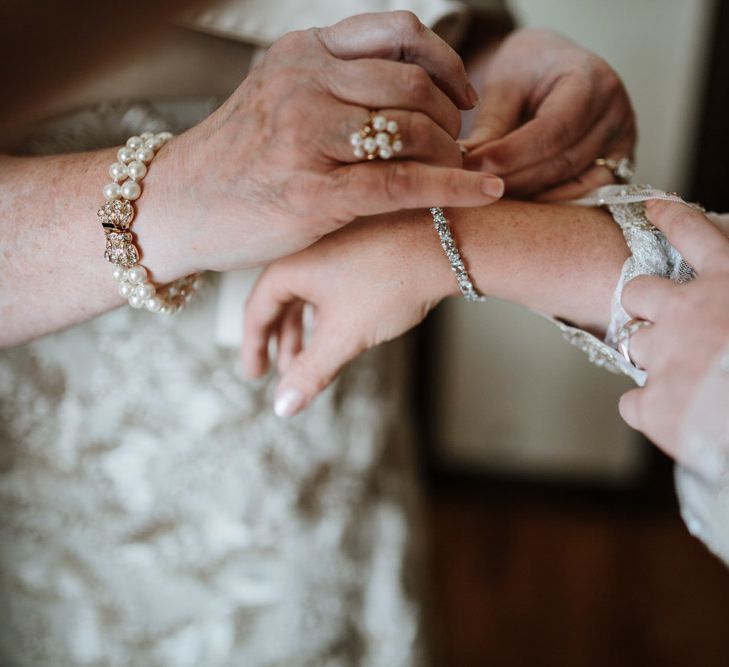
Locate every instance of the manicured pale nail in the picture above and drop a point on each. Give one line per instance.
(473, 97)
(493, 187)
(288, 403)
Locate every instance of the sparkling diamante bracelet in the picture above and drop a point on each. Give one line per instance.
(454, 257)
(117, 215)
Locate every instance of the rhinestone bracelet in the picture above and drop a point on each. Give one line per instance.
(116, 218)
(454, 257)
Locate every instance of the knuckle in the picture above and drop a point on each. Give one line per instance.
(400, 179)
(345, 190)
(611, 83)
(418, 127)
(406, 22)
(415, 81)
(292, 41)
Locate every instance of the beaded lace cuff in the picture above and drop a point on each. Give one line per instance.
(652, 255)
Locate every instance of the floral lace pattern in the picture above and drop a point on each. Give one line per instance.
(157, 513)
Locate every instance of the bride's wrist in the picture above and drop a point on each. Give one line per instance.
(436, 275)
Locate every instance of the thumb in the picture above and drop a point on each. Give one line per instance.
(629, 408)
(498, 114)
(313, 369)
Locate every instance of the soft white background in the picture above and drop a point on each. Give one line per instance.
(511, 394)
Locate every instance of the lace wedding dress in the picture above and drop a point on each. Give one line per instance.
(155, 512)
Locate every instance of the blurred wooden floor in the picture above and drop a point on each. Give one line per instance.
(542, 578)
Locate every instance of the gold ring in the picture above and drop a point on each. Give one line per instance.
(623, 169)
(378, 138)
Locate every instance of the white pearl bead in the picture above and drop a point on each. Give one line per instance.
(137, 274)
(144, 155)
(382, 139)
(145, 290)
(391, 126)
(164, 137)
(112, 191)
(153, 305)
(136, 170)
(146, 135)
(135, 142)
(358, 152)
(153, 143)
(118, 273)
(131, 190)
(356, 139)
(385, 152)
(125, 154)
(370, 145)
(397, 145)
(379, 123)
(126, 289)
(118, 171)
(135, 301)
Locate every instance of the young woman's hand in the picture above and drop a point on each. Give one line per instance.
(367, 283)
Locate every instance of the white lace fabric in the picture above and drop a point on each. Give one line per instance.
(156, 512)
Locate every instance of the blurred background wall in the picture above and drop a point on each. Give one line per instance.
(511, 396)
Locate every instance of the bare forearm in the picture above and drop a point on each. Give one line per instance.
(561, 260)
(51, 243)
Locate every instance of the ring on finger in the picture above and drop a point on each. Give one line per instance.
(624, 335)
(623, 169)
(379, 137)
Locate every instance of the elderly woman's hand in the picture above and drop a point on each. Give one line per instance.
(273, 169)
(549, 109)
(690, 328)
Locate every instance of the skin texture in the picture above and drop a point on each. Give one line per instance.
(690, 326)
(548, 109)
(378, 278)
(267, 174)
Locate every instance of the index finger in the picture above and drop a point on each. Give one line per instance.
(702, 245)
(266, 304)
(400, 36)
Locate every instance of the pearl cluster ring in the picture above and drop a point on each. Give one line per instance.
(117, 215)
(378, 138)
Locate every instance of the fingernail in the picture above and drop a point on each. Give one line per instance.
(288, 403)
(473, 97)
(493, 187)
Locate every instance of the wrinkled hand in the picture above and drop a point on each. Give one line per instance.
(549, 108)
(690, 328)
(273, 169)
(368, 283)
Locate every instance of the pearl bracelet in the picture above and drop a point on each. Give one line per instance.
(454, 256)
(116, 218)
